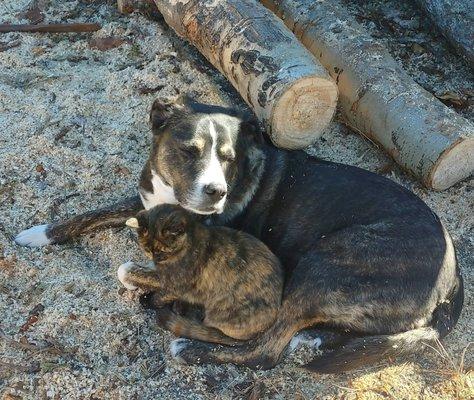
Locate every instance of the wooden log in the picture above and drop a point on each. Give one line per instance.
(284, 84)
(50, 28)
(379, 99)
(455, 20)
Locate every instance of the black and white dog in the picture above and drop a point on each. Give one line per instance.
(361, 253)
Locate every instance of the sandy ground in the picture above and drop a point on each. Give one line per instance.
(73, 136)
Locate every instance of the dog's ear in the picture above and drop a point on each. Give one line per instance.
(251, 128)
(161, 111)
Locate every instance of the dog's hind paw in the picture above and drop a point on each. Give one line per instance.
(303, 338)
(34, 237)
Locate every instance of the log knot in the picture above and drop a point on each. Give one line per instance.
(252, 62)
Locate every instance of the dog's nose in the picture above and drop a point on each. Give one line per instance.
(215, 191)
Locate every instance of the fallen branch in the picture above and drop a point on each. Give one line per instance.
(11, 45)
(50, 28)
(378, 98)
(284, 84)
(9, 367)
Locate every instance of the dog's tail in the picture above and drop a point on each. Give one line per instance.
(363, 351)
(63, 231)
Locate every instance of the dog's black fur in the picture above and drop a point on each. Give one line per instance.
(361, 254)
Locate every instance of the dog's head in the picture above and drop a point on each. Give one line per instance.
(198, 151)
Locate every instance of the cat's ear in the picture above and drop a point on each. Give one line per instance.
(174, 225)
(140, 221)
(132, 223)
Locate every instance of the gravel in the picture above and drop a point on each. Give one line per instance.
(73, 136)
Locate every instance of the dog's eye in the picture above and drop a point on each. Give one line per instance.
(190, 151)
(228, 157)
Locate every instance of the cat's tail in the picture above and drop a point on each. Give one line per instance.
(188, 328)
(63, 231)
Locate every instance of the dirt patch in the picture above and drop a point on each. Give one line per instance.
(73, 136)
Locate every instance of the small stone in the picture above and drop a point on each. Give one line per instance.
(418, 49)
(106, 43)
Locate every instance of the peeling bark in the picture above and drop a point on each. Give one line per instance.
(284, 84)
(378, 98)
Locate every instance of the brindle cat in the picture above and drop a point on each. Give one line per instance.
(232, 275)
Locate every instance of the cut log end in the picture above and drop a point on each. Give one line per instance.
(455, 164)
(303, 112)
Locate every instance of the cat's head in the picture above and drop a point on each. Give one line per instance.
(163, 230)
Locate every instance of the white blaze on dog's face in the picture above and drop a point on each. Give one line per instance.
(211, 185)
(197, 153)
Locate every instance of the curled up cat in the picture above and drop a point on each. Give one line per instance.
(232, 275)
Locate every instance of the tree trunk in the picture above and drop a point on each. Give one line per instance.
(455, 20)
(284, 84)
(378, 98)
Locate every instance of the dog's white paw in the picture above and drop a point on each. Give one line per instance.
(33, 237)
(301, 339)
(122, 273)
(176, 347)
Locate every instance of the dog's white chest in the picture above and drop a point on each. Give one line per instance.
(162, 193)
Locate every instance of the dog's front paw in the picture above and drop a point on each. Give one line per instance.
(35, 236)
(122, 274)
(186, 351)
(179, 349)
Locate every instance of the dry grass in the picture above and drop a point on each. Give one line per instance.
(448, 379)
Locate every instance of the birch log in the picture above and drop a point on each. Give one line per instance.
(284, 84)
(379, 99)
(455, 20)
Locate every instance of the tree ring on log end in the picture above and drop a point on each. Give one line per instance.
(456, 163)
(303, 112)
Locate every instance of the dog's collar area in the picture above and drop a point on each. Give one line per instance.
(154, 172)
(161, 193)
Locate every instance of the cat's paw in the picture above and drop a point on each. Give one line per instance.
(123, 272)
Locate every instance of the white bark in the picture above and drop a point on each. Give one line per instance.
(378, 98)
(284, 84)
